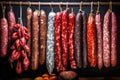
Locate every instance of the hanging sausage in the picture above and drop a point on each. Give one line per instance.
(43, 33)
(58, 49)
(98, 22)
(3, 34)
(64, 38)
(50, 42)
(91, 39)
(28, 25)
(35, 43)
(71, 33)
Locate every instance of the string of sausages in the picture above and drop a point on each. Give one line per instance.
(61, 41)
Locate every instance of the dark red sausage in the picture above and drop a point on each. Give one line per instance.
(91, 41)
(84, 34)
(58, 50)
(43, 36)
(3, 37)
(77, 39)
(64, 38)
(11, 22)
(28, 25)
(35, 43)
(114, 40)
(106, 39)
(71, 33)
(98, 22)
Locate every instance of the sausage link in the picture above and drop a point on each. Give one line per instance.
(114, 41)
(91, 41)
(3, 37)
(50, 43)
(28, 25)
(35, 32)
(106, 40)
(71, 33)
(64, 38)
(84, 34)
(11, 22)
(43, 33)
(58, 60)
(77, 40)
(98, 22)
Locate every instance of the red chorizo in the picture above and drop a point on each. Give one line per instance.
(43, 36)
(71, 33)
(58, 50)
(114, 40)
(64, 38)
(35, 32)
(98, 21)
(3, 37)
(28, 25)
(106, 39)
(91, 41)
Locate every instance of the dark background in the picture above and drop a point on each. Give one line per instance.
(7, 72)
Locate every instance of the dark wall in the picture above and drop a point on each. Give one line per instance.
(6, 71)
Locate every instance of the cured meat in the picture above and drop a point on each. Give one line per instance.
(43, 34)
(50, 43)
(91, 41)
(58, 49)
(106, 39)
(98, 22)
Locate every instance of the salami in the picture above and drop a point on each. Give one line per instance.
(28, 25)
(77, 39)
(35, 32)
(71, 33)
(3, 37)
(58, 49)
(50, 43)
(11, 22)
(91, 41)
(106, 39)
(43, 33)
(84, 34)
(114, 40)
(98, 22)
(64, 38)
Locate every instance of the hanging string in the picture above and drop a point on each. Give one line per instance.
(29, 4)
(3, 9)
(60, 6)
(39, 9)
(110, 6)
(51, 7)
(91, 7)
(67, 6)
(20, 18)
(81, 6)
(98, 8)
(72, 10)
(10, 6)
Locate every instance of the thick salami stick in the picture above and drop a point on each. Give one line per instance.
(65, 38)
(106, 39)
(35, 32)
(28, 25)
(114, 41)
(98, 22)
(77, 40)
(84, 33)
(43, 33)
(71, 33)
(50, 43)
(11, 22)
(91, 41)
(3, 37)
(58, 52)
